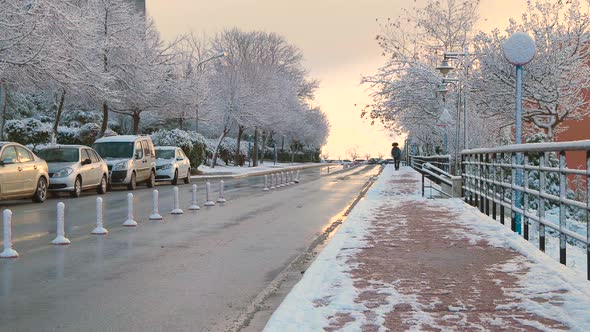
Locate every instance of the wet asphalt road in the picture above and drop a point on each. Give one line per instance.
(34, 225)
(194, 272)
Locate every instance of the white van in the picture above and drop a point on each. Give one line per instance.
(130, 159)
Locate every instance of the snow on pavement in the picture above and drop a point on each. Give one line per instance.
(401, 262)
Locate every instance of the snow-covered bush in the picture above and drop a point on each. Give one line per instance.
(192, 143)
(27, 131)
(89, 133)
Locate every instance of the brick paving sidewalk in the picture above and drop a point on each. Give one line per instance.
(417, 267)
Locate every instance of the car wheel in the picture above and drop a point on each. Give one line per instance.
(132, 183)
(152, 180)
(77, 188)
(187, 179)
(175, 178)
(102, 187)
(41, 191)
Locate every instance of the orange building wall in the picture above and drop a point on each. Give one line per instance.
(577, 130)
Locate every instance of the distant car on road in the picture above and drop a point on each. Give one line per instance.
(345, 162)
(73, 168)
(172, 164)
(131, 159)
(387, 161)
(22, 173)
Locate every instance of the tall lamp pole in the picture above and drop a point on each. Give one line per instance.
(519, 50)
(444, 68)
(216, 56)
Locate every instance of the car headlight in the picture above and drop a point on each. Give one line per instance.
(167, 166)
(62, 173)
(120, 166)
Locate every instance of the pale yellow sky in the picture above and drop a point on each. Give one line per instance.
(337, 38)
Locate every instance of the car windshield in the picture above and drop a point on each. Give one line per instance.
(165, 154)
(114, 149)
(60, 155)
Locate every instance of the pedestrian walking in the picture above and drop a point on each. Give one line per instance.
(396, 153)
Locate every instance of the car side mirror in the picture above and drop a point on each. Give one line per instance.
(86, 162)
(7, 161)
(137, 156)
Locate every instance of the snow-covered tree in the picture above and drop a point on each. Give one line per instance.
(555, 82)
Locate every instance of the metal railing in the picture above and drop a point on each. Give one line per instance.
(533, 183)
(442, 162)
(436, 175)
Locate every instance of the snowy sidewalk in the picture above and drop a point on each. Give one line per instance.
(401, 262)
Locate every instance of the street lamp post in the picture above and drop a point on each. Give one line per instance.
(275, 152)
(216, 56)
(519, 50)
(444, 68)
(249, 149)
(442, 90)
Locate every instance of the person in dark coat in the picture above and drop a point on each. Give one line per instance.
(396, 153)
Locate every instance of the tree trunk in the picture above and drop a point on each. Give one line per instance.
(105, 119)
(60, 107)
(221, 137)
(136, 118)
(255, 149)
(3, 98)
(239, 141)
(264, 137)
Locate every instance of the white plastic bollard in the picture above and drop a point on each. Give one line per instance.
(130, 222)
(266, 183)
(177, 209)
(61, 238)
(99, 230)
(8, 252)
(155, 209)
(221, 198)
(297, 177)
(272, 181)
(195, 204)
(208, 201)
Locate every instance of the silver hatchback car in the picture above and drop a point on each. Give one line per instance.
(73, 168)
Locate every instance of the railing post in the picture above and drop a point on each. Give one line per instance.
(494, 186)
(562, 216)
(463, 179)
(503, 194)
(588, 214)
(525, 197)
(513, 194)
(487, 183)
(422, 184)
(541, 208)
(481, 183)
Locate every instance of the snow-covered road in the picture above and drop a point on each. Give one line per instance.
(197, 272)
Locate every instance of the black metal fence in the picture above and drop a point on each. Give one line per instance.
(533, 183)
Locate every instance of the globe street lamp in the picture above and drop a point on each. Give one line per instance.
(519, 50)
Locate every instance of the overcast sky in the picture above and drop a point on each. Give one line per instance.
(337, 38)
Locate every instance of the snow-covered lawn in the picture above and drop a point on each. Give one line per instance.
(533, 290)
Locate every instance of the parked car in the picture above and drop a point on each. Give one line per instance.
(387, 161)
(22, 173)
(74, 168)
(130, 159)
(172, 164)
